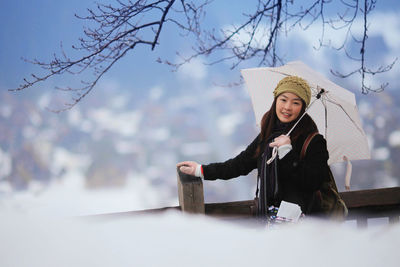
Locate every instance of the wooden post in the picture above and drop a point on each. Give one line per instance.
(191, 195)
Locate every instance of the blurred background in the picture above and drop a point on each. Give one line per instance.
(117, 149)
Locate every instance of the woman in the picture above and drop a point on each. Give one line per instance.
(287, 177)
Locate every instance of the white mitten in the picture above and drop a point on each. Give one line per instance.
(191, 168)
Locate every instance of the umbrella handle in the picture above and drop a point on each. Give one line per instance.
(273, 156)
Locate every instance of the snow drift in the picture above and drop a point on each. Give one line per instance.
(175, 239)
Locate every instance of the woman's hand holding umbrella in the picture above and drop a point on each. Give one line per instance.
(282, 145)
(280, 141)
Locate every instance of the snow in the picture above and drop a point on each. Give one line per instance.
(227, 124)
(380, 122)
(68, 197)
(174, 239)
(47, 226)
(394, 139)
(125, 123)
(195, 148)
(160, 134)
(5, 164)
(64, 159)
(381, 153)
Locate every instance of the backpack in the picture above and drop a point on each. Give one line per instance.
(325, 201)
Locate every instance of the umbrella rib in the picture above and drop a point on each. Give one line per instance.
(323, 100)
(280, 72)
(297, 122)
(339, 105)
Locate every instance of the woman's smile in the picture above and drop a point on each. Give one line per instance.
(288, 107)
(286, 114)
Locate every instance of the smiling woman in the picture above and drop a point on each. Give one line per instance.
(288, 107)
(289, 177)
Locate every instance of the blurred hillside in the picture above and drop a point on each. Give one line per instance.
(118, 140)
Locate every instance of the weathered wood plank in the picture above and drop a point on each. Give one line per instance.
(231, 209)
(114, 215)
(372, 197)
(362, 204)
(190, 192)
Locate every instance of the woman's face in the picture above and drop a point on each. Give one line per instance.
(288, 107)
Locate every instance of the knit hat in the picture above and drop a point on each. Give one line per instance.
(295, 85)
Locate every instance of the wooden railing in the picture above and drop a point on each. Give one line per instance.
(362, 204)
(373, 203)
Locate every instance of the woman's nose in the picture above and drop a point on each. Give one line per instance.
(287, 106)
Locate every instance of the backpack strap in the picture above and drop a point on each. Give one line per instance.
(306, 143)
(328, 198)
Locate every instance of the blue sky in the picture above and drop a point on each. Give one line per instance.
(35, 29)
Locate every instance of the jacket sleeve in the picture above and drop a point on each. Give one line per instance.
(310, 172)
(242, 164)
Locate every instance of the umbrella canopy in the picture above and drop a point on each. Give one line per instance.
(335, 112)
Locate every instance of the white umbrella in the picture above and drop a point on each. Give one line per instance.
(335, 113)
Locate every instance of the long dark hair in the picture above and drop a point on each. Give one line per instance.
(305, 126)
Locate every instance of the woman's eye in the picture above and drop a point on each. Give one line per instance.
(297, 103)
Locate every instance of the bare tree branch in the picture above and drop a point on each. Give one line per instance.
(120, 27)
(363, 70)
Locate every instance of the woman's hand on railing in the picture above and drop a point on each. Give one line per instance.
(189, 167)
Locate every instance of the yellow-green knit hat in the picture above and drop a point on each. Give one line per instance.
(295, 85)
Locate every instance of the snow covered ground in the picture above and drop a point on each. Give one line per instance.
(68, 197)
(173, 239)
(44, 226)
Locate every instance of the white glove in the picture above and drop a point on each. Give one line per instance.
(283, 150)
(191, 168)
(280, 141)
(283, 144)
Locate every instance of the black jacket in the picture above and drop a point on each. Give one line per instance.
(297, 179)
